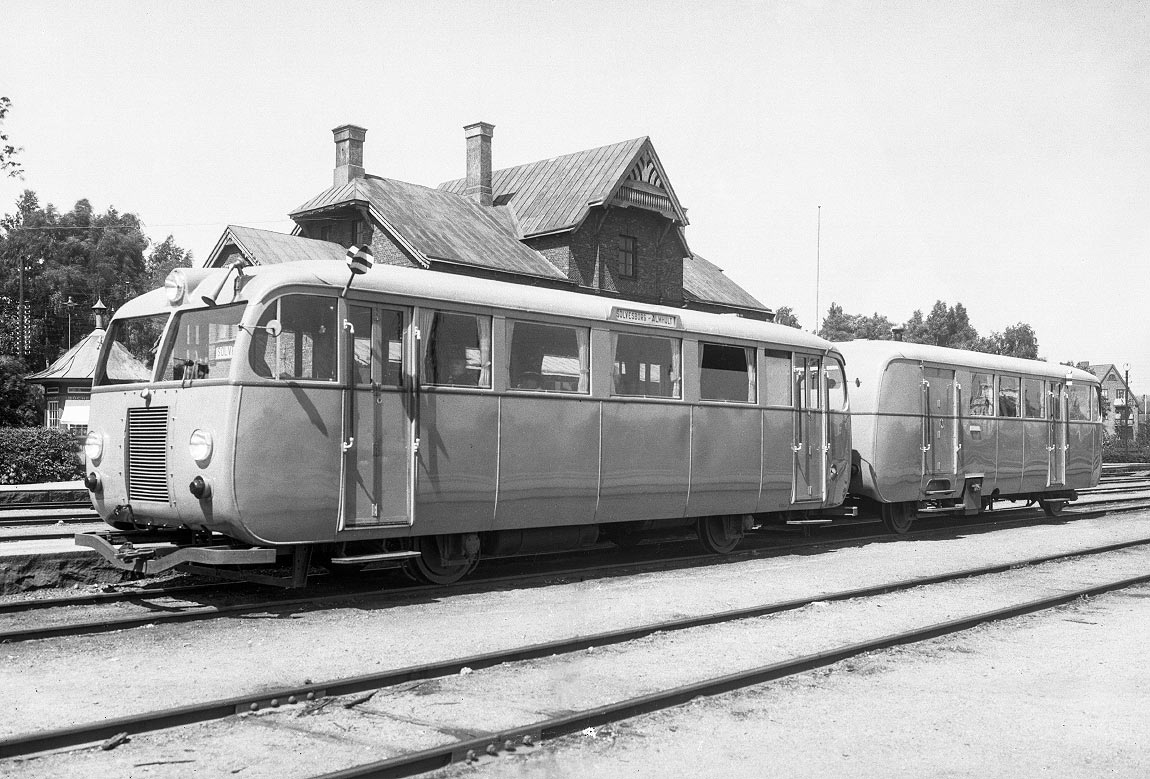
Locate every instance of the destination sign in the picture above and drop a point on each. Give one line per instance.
(644, 317)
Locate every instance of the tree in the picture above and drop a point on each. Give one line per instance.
(837, 324)
(786, 316)
(80, 256)
(20, 404)
(874, 328)
(8, 152)
(164, 258)
(1017, 340)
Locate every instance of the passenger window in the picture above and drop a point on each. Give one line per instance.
(132, 352)
(549, 358)
(458, 349)
(1079, 402)
(806, 375)
(726, 373)
(981, 395)
(360, 319)
(836, 386)
(391, 331)
(646, 366)
(1032, 397)
(776, 378)
(306, 345)
(1008, 396)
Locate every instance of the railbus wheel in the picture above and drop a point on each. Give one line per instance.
(898, 517)
(720, 534)
(1053, 508)
(444, 559)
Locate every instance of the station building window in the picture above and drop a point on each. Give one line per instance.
(776, 377)
(1032, 399)
(457, 349)
(306, 346)
(1008, 405)
(726, 373)
(549, 358)
(646, 366)
(628, 252)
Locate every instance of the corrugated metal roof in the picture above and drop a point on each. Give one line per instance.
(265, 247)
(556, 194)
(442, 225)
(705, 282)
(75, 365)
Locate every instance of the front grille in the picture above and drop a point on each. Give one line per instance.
(148, 454)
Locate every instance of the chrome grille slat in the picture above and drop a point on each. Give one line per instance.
(147, 456)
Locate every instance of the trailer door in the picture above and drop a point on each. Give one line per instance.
(939, 421)
(810, 433)
(1056, 440)
(377, 442)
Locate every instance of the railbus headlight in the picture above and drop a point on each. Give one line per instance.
(200, 446)
(175, 286)
(94, 446)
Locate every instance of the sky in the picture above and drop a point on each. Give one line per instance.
(879, 155)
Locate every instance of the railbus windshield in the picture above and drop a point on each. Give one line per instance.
(130, 355)
(203, 343)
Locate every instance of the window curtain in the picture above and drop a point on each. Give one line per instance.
(617, 366)
(425, 321)
(751, 394)
(676, 368)
(484, 350)
(583, 342)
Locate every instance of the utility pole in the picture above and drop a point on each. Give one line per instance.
(20, 307)
(1127, 428)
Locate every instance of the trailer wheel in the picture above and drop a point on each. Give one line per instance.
(898, 517)
(1053, 508)
(434, 567)
(720, 534)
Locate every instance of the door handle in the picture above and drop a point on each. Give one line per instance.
(797, 448)
(348, 444)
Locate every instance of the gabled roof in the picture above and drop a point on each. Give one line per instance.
(437, 225)
(264, 247)
(705, 282)
(555, 195)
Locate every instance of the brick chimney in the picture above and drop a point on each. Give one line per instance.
(348, 153)
(479, 162)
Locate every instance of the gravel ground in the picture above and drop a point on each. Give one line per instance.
(58, 682)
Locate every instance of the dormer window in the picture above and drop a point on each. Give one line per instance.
(628, 251)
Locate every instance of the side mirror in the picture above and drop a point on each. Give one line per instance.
(274, 328)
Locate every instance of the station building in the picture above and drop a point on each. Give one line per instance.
(1125, 410)
(603, 221)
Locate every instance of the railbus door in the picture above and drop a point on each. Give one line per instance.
(377, 465)
(810, 435)
(1057, 413)
(939, 428)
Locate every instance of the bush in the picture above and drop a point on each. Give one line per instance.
(1114, 451)
(31, 455)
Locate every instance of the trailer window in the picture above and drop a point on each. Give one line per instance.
(646, 366)
(132, 352)
(549, 358)
(776, 378)
(458, 349)
(306, 346)
(1008, 405)
(726, 373)
(203, 344)
(981, 395)
(1032, 396)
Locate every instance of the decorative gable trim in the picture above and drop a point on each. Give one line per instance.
(645, 185)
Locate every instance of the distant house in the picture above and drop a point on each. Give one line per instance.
(1125, 409)
(68, 381)
(603, 221)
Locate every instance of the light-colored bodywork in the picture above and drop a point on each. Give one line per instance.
(301, 461)
(933, 423)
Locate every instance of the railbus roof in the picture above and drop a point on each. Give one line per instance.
(877, 354)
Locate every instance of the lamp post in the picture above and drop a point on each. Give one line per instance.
(70, 305)
(1127, 431)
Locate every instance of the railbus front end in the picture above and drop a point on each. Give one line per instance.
(422, 419)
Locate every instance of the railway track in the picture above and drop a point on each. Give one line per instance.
(171, 604)
(1080, 563)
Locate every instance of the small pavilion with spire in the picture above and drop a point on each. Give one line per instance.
(68, 381)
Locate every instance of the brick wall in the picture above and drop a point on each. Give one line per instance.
(658, 261)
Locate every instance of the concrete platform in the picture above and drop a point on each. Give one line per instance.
(49, 492)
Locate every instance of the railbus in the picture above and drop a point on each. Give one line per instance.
(938, 429)
(423, 419)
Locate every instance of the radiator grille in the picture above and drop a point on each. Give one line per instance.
(148, 454)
